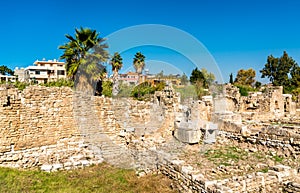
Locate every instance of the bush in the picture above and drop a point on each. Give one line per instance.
(244, 90)
(145, 89)
(59, 83)
(125, 90)
(20, 85)
(107, 88)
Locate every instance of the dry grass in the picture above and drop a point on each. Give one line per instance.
(101, 178)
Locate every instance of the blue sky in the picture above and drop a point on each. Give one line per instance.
(238, 34)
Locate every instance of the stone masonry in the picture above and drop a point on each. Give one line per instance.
(58, 128)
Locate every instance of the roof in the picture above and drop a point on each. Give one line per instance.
(132, 73)
(48, 62)
(38, 68)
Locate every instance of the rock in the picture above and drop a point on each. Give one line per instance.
(85, 162)
(46, 168)
(56, 167)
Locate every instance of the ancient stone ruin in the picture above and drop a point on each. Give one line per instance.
(226, 143)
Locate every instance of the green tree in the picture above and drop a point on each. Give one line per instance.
(208, 76)
(85, 48)
(116, 63)
(231, 78)
(4, 70)
(245, 77)
(257, 84)
(279, 69)
(139, 62)
(198, 80)
(197, 76)
(295, 76)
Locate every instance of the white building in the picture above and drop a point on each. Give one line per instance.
(45, 71)
(20, 74)
(7, 78)
(130, 78)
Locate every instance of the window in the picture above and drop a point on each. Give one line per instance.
(37, 72)
(60, 72)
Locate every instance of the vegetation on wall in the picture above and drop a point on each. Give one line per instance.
(244, 90)
(145, 89)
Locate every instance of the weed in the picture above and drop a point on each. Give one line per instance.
(264, 170)
(278, 158)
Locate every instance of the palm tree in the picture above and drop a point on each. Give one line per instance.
(85, 45)
(116, 63)
(139, 62)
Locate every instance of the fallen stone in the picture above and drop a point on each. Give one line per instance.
(46, 168)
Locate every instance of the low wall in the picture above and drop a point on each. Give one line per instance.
(188, 180)
(66, 154)
(285, 140)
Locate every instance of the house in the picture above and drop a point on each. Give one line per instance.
(45, 71)
(7, 78)
(130, 78)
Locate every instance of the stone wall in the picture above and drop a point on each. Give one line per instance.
(187, 179)
(285, 140)
(65, 154)
(57, 128)
(36, 117)
(268, 104)
(38, 129)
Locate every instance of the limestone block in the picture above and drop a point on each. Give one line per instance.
(187, 135)
(46, 168)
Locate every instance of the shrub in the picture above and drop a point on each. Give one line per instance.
(59, 83)
(107, 88)
(145, 89)
(125, 90)
(20, 85)
(244, 90)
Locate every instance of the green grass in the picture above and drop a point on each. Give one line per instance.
(102, 178)
(264, 170)
(278, 159)
(226, 155)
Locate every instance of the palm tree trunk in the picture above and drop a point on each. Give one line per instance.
(115, 90)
